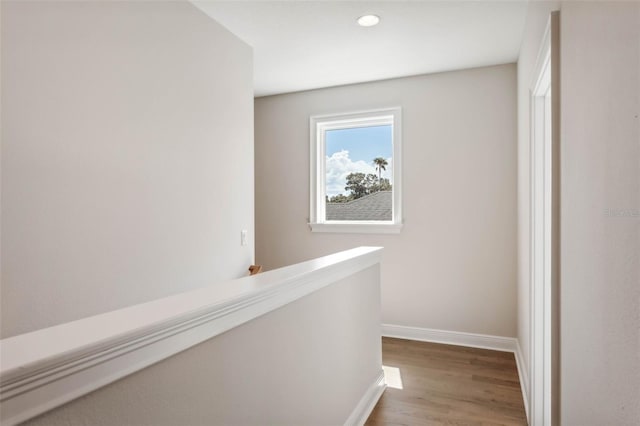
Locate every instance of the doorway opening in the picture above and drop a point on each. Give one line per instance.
(544, 233)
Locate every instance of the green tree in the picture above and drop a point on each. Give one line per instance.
(356, 184)
(381, 185)
(360, 184)
(381, 164)
(340, 198)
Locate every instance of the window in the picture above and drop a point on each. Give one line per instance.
(355, 172)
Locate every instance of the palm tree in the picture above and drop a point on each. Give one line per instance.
(381, 164)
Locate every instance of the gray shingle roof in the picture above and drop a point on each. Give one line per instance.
(376, 206)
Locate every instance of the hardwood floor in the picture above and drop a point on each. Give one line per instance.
(449, 385)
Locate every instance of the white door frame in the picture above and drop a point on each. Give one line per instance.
(544, 232)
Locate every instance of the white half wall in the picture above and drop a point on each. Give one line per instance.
(315, 361)
(453, 266)
(127, 156)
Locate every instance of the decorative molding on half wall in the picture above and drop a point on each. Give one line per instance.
(49, 367)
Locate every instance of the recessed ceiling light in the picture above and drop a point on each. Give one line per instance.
(368, 20)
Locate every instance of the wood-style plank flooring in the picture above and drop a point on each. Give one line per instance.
(449, 385)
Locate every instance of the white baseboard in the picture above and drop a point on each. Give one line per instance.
(483, 341)
(361, 412)
(524, 377)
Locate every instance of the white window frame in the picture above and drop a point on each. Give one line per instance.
(318, 125)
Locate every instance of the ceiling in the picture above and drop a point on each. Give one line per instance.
(302, 45)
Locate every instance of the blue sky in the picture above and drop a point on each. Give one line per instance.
(353, 150)
(363, 143)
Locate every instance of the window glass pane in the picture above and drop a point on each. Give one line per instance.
(359, 173)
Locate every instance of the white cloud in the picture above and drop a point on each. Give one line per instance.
(338, 167)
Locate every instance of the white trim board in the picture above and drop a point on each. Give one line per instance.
(483, 341)
(365, 406)
(523, 376)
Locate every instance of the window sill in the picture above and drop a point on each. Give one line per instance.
(357, 228)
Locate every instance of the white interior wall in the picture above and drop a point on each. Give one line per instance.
(600, 219)
(600, 174)
(453, 266)
(127, 156)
